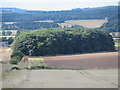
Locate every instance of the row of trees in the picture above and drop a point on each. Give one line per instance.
(6, 33)
(9, 40)
(28, 25)
(55, 41)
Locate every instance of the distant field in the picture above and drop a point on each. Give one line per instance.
(7, 36)
(87, 23)
(65, 25)
(9, 22)
(45, 21)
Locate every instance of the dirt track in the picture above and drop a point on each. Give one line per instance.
(84, 61)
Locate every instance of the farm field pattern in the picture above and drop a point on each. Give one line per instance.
(87, 23)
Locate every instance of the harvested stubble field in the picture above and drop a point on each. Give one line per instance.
(5, 53)
(84, 61)
(9, 22)
(88, 23)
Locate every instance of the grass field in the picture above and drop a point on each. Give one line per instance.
(37, 63)
(87, 23)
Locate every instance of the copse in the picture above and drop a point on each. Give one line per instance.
(55, 41)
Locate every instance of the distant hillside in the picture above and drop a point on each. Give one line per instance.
(12, 10)
(74, 14)
(20, 15)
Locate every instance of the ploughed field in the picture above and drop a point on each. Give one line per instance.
(84, 61)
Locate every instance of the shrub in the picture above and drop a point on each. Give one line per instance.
(16, 57)
(17, 53)
(15, 60)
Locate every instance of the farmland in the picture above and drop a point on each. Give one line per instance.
(81, 54)
(100, 71)
(93, 23)
(84, 61)
(7, 36)
(9, 22)
(45, 21)
(106, 78)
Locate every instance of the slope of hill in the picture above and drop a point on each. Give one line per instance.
(109, 12)
(10, 10)
(74, 14)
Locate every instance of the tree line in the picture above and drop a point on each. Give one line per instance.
(28, 25)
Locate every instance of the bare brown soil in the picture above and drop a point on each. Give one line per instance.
(84, 61)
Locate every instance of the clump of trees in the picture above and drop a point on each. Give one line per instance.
(55, 41)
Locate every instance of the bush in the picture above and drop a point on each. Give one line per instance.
(16, 57)
(15, 60)
(17, 53)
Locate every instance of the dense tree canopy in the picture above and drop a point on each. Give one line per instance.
(55, 41)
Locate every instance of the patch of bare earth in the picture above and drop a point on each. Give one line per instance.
(84, 61)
